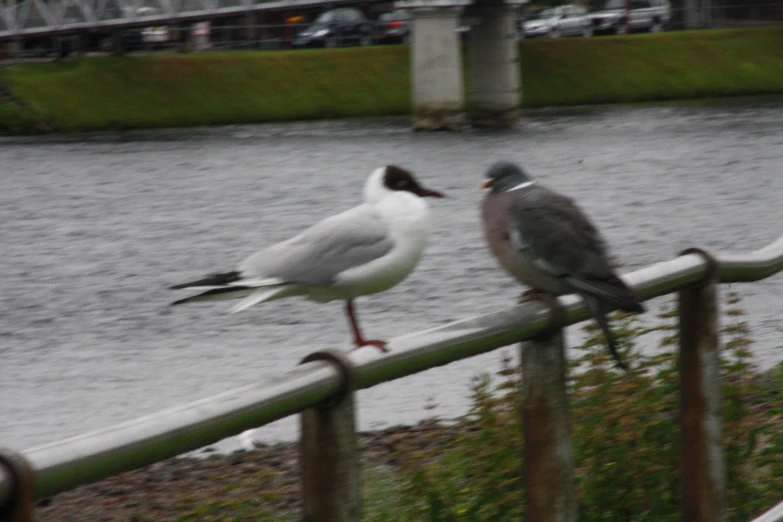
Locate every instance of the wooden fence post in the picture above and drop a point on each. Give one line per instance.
(702, 468)
(330, 452)
(550, 491)
(19, 507)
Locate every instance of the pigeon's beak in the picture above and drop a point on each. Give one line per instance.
(427, 193)
(487, 184)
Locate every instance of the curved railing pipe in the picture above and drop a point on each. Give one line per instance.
(773, 515)
(82, 459)
(755, 266)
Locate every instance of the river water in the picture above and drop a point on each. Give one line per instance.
(95, 228)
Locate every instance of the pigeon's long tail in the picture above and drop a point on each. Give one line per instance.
(598, 311)
(610, 289)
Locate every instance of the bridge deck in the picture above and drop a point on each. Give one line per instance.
(42, 18)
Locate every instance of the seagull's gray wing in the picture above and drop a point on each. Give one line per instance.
(563, 243)
(323, 251)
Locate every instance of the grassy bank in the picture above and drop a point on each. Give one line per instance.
(244, 87)
(213, 88)
(663, 66)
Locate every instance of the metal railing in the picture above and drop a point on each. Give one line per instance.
(322, 389)
(43, 17)
(58, 29)
(773, 515)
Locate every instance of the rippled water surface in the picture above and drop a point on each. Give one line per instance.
(94, 229)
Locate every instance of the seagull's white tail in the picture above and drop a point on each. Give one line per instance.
(261, 295)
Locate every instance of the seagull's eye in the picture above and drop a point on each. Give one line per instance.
(401, 184)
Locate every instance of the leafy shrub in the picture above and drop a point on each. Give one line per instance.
(14, 122)
(625, 434)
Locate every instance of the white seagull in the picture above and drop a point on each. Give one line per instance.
(365, 250)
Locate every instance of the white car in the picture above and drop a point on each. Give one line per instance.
(155, 34)
(642, 15)
(554, 22)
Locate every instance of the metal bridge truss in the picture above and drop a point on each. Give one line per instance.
(22, 18)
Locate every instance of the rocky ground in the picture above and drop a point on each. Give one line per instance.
(262, 484)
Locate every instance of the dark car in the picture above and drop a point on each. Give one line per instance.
(394, 27)
(336, 27)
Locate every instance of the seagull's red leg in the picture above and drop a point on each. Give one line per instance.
(358, 339)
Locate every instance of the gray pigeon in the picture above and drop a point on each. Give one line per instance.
(544, 240)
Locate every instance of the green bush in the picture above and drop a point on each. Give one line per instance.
(14, 122)
(625, 433)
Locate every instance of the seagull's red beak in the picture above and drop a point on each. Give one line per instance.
(427, 193)
(486, 184)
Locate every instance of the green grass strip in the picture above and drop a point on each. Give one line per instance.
(100, 93)
(214, 88)
(649, 67)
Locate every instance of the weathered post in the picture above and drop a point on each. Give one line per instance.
(15, 48)
(330, 452)
(250, 28)
(184, 34)
(706, 16)
(702, 469)
(78, 44)
(698, 14)
(548, 457)
(117, 42)
(19, 506)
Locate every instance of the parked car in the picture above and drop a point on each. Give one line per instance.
(609, 17)
(394, 26)
(152, 36)
(336, 27)
(554, 22)
(133, 38)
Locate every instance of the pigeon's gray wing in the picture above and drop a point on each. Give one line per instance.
(558, 235)
(321, 252)
(563, 243)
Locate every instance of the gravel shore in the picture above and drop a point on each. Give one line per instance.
(261, 484)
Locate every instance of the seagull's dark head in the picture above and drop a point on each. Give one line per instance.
(397, 178)
(504, 175)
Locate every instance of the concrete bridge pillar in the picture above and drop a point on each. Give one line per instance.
(436, 61)
(494, 65)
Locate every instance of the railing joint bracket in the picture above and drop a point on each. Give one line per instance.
(19, 504)
(712, 265)
(346, 367)
(558, 318)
